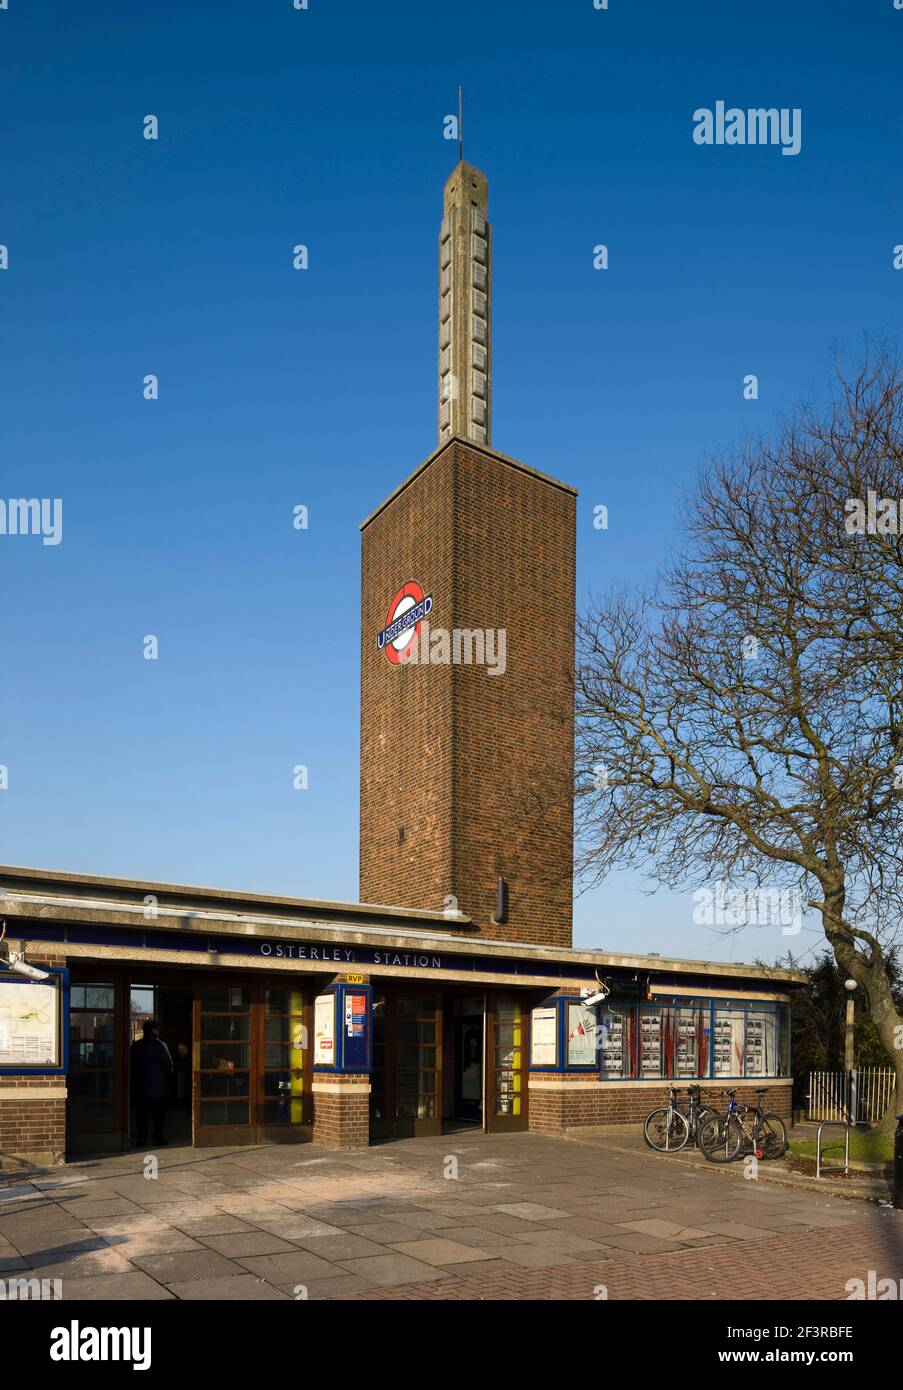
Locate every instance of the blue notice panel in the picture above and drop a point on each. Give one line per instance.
(355, 1009)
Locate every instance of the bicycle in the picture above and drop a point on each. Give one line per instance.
(667, 1129)
(723, 1137)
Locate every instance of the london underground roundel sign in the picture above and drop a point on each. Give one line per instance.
(406, 612)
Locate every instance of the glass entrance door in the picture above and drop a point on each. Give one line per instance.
(251, 1081)
(283, 1105)
(94, 1121)
(223, 1060)
(418, 1062)
(405, 1096)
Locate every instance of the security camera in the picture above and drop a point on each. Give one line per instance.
(600, 993)
(19, 965)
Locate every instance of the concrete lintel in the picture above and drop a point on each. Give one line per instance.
(132, 916)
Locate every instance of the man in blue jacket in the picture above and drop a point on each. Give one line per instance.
(151, 1072)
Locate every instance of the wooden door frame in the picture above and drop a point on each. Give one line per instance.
(256, 1131)
(302, 1131)
(117, 1139)
(400, 1127)
(216, 1136)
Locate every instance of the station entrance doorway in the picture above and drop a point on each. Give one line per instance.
(444, 1059)
(170, 1006)
(468, 1060)
(238, 1044)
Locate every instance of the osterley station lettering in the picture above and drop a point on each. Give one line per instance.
(345, 955)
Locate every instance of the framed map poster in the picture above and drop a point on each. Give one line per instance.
(30, 1023)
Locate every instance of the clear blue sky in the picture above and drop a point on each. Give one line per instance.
(173, 257)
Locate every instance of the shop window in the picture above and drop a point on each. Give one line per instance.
(690, 1040)
(761, 1044)
(617, 1025)
(783, 1040)
(650, 1042)
(727, 1041)
(685, 1041)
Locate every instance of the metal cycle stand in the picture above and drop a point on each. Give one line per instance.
(838, 1124)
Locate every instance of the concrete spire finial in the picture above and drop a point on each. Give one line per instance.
(465, 318)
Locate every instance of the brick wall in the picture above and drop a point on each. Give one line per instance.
(477, 768)
(406, 711)
(572, 1105)
(341, 1106)
(32, 1127)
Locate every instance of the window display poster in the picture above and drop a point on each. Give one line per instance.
(324, 1030)
(581, 1035)
(29, 1024)
(543, 1037)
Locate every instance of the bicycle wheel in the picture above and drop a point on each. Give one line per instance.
(771, 1135)
(666, 1130)
(704, 1114)
(720, 1138)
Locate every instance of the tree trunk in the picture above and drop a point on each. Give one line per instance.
(871, 976)
(888, 1123)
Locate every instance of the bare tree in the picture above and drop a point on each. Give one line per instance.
(742, 717)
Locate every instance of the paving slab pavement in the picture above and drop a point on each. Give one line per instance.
(521, 1216)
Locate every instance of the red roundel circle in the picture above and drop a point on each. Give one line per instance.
(408, 596)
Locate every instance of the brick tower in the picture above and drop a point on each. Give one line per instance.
(467, 647)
